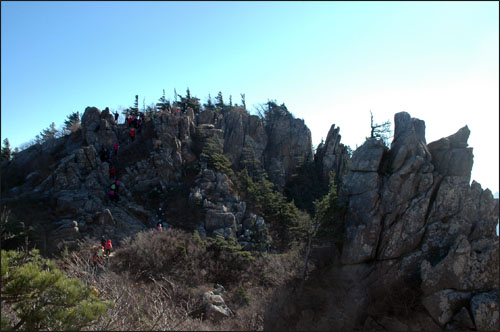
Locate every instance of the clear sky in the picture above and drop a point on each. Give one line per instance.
(329, 62)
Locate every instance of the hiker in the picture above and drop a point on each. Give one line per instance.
(134, 121)
(103, 241)
(129, 120)
(132, 133)
(100, 254)
(159, 227)
(109, 246)
(116, 116)
(116, 146)
(112, 172)
(94, 260)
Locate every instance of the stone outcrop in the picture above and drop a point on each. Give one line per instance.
(289, 145)
(225, 214)
(277, 145)
(413, 217)
(98, 128)
(333, 156)
(215, 307)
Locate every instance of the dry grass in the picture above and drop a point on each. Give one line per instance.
(157, 280)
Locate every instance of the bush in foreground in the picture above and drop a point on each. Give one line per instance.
(36, 295)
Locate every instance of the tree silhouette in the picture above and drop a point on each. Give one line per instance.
(380, 130)
(6, 151)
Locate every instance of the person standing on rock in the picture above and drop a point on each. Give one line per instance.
(116, 116)
(100, 254)
(109, 246)
(132, 134)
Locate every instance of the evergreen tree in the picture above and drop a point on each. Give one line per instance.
(243, 100)
(329, 213)
(72, 122)
(190, 102)
(283, 216)
(6, 151)
(219, 102)
(42, 297)
(230, 101)
(209, 105)
(163, 104)
(48, 133)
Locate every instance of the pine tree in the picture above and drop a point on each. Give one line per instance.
(48, 133)
(329, 213)
(42, 297)
(209, 105)
(163, 104)
(6, 151)
(219, 102)
(230, 101)
(72, 122)
(243, 100)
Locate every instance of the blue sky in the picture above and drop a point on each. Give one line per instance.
(329, 62)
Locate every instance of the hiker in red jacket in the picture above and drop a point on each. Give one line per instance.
(109, 246)
(116, 146)
(132, 133)
(112, 172)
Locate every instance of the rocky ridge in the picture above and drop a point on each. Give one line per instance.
(414, 223)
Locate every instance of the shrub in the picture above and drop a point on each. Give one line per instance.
(39, 296)
(243, 297)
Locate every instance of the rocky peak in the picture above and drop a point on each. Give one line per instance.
(289, 145)
(412, 215)
(333, 155)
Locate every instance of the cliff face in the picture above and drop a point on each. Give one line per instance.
(159, 169)
(278, 144)
(418, 238)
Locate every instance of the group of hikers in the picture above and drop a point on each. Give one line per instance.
(106, 157)
(134, 123)
(103, 251)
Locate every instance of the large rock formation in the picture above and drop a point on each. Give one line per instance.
(278, 145)
(71, 174)
(415, 223)
(419, 250)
